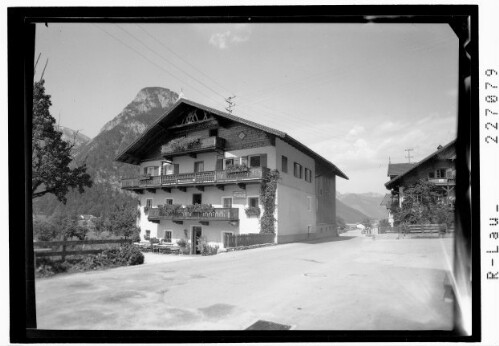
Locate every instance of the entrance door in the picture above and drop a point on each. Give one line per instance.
(196, 235)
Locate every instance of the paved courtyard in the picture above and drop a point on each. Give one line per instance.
(345, 283)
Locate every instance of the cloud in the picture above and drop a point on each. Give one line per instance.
(236, 34)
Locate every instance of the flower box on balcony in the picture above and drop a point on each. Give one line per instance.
(200, 208)
(180, 144)
(252, 211)
(237, 168)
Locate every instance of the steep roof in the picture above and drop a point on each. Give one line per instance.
(399, 168)
(156, 128)
(422, 162)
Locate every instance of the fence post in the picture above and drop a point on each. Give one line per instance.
(63, 256)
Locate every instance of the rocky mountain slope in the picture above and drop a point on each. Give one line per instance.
(72, 136)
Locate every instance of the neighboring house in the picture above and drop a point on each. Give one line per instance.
(437, 168)
(194, 154)
(394, 170)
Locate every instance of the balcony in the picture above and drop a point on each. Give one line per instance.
(215, 178)
(442, 181)
(219, 214)
(192, 146)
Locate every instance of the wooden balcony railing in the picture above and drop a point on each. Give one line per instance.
(213, 143)
(192, 179)
(219, 214)
(442, 181)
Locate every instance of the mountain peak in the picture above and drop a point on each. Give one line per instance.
(147, 100)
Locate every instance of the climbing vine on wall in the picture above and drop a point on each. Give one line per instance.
(267, 197)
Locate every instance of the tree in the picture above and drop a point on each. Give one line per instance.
(423, 203)
(367, 222)
(122, 221)
(51, 155)
(67, 227)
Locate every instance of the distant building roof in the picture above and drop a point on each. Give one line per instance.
(444, 151)
(399, 168)
(387, 199)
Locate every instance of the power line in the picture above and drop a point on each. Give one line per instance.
(182, 58)
(169, 62)
(152, 62)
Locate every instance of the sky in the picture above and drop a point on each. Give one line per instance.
(357, 94)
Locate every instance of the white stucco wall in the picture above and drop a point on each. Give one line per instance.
(294, 215)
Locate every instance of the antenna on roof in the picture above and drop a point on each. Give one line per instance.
(409, 153)
(231, 103)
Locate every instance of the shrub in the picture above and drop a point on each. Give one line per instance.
(125, 255)
(206, 249)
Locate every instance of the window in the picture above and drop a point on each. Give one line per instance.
(151, 170)
(196, 198)
(148, 235)
(309, 203)
(284, 164)
(149, 203)
(166, 168)
(298, 170)
(169, 201)
(227, 202)
(213, 132)
(440, 173)
(168, 237)
(198, 166)
(308, 175)
(229, 162)
(254, 161)
(253, 202)
(431, 175)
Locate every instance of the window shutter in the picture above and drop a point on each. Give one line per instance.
(219, 165)
(175, 168)
(263, 160)
(244, 160)
(145, 170)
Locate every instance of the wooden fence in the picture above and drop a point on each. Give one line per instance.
(238, 240)
(48, 248)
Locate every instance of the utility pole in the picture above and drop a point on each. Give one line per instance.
(409, 153)
(231, 104)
